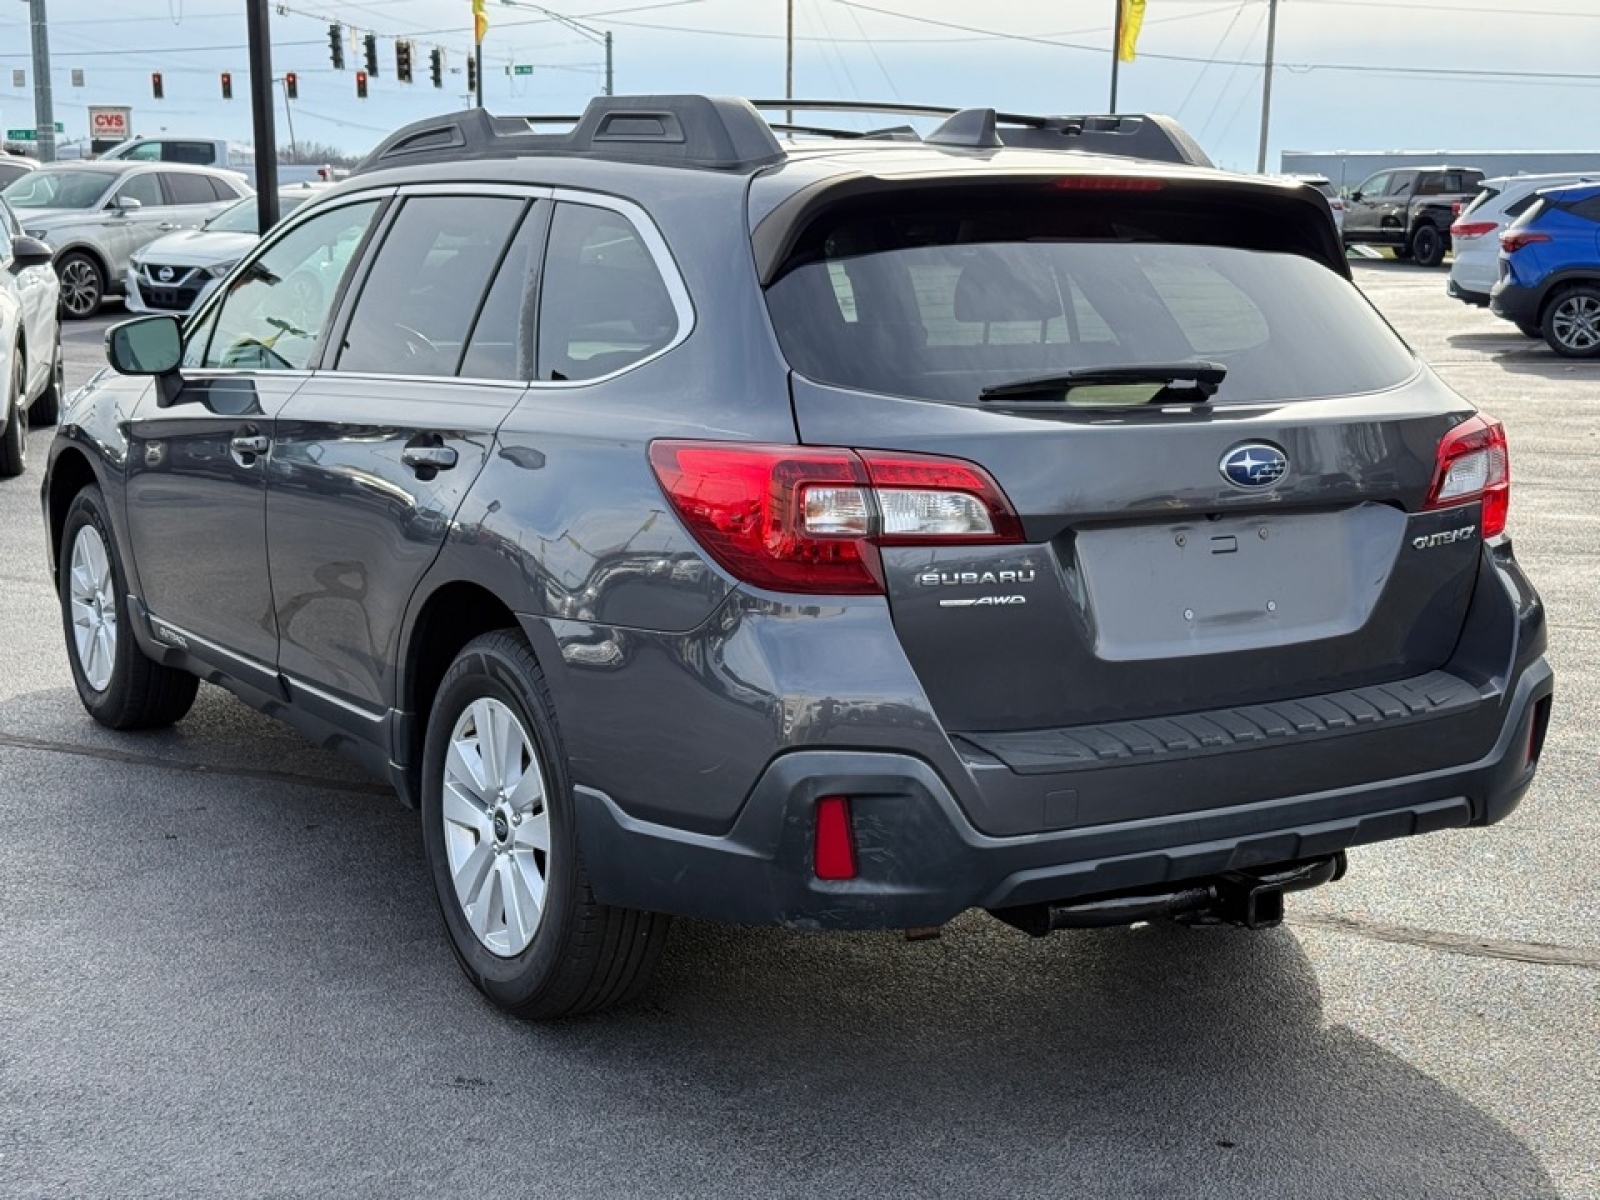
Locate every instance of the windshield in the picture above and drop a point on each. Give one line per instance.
(243, 217)
(940, 305)
(59, 189)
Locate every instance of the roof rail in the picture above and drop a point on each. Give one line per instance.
(1146, 135)
(690, 131)
(724, 134)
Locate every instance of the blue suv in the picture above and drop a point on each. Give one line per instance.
(1550, 271)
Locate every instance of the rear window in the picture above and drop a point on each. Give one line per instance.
(1483, 197)
(941, 305)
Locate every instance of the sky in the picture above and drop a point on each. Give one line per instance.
(1349, 74)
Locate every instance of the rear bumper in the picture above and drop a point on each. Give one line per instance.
(922, 862)
(1515, 303)
(1466, 296)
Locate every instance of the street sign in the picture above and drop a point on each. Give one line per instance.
(19, 79)
(77, 76)
(522, 69)
(29, 135)
(110, 124)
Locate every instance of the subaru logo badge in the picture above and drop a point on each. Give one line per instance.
(165, 274)
(1254, 465)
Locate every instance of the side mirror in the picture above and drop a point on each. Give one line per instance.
(29, 252)
(127, 204)
(1354, 196)
(145, 346)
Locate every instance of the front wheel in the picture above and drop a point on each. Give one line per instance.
(499, 831)
(1571, 324)
(119, 686)
(83, 285)
(1428, 246)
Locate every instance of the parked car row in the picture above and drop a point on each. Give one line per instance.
(1528, 249)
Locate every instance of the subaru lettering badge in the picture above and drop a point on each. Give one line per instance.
(1254, 465)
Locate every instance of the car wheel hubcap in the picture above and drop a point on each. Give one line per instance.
(94, 611)
(80, 289)
(496, 826)
(1577, 323)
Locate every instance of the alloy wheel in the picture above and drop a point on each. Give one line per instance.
(1575, 323)
(80, 287)
(94, 612)
(496, 826)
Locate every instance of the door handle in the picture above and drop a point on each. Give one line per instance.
(429, 458)
(249, 446)
(168, 225)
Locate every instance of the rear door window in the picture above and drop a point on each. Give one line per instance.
(939, 305)
(187, 189)
(420, 299)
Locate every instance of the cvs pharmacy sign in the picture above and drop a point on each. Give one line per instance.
(110, 124)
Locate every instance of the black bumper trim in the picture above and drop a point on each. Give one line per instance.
(1223, 730)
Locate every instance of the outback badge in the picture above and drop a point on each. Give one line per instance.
(1254, 465)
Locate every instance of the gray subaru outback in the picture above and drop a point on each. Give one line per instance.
(785, 527)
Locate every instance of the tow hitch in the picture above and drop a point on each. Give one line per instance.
(1253, 899)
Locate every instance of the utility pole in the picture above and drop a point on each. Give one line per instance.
(600, 37)
(261, 114)
(788, 65)
(44, 117)
(1266, 85)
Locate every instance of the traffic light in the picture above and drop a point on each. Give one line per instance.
(402, 61)
(227, 85)
(361, 85)
(291, 86)
(155, 85)
(472, 74)
(336, 45)
(436, 66)
(372, 53)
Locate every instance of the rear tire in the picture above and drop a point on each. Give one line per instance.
(1571, 323)
(14, 437)
(499, 828)
(1428, 246)
(119, 686)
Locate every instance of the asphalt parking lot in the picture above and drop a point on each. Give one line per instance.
(221, 970)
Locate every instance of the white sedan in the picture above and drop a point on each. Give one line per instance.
(30, 341)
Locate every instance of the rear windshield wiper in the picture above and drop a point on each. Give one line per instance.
(1116, 387)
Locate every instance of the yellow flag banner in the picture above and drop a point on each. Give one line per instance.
(480, 20)
(1132, 18)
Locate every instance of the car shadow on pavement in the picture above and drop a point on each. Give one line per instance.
(1153, 1061)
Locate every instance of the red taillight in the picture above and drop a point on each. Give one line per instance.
(1472, 464)
(810, 519)
(1108, 183)
(1472, 229)
(1512, 241)
(834, 849)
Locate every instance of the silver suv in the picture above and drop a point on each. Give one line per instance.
(96, 214)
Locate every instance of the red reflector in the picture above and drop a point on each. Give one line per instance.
(835, 848)
(1472, 229)
(1108, 183)
(1472, 463)
(1510, 243)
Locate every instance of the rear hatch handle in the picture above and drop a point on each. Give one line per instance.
(1114, 387)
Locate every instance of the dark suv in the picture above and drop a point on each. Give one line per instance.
(834, 533)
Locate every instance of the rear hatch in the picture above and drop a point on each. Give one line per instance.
(1175, 551)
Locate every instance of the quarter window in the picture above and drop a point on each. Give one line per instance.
(277, 307)
(425, 288)
(603, 304)
(188, 189)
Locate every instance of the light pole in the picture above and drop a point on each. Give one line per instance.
(599, 36)
(44, 117)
